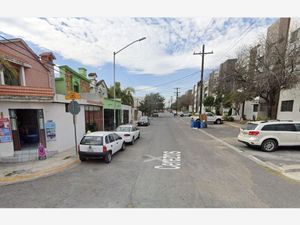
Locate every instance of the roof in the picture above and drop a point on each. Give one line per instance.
(99, 133)
(102, 81)
(273, 121)
(74, 72)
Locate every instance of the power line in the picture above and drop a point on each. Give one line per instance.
(169, 82)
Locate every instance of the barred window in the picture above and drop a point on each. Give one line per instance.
(287, 106)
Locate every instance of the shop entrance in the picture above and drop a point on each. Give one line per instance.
(27, 128)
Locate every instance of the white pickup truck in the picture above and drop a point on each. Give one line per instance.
(211, 117)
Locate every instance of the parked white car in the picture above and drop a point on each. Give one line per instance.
(211, 117)
(268, 135)
(100, 144)
(129, 133)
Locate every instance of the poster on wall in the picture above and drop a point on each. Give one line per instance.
(50, 130)
(5, 131)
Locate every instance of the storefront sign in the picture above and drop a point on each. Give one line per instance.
(5, 131)
(50, 130)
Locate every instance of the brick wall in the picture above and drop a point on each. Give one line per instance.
(84, 86)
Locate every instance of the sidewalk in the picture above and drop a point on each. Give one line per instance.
(18, 172)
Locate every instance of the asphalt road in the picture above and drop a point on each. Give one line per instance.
(206, 174)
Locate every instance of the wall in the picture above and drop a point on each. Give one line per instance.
(129, 108)
(31, 74)
(52, 111)
(291, 94)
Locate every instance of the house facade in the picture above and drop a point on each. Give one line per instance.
(26, 95)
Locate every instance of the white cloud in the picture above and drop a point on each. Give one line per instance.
(145, 88)
(169, 45)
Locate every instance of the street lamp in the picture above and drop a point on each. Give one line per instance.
(114, 64)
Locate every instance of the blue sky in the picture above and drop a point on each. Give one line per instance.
(166, 55)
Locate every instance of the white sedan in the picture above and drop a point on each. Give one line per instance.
(129, 133)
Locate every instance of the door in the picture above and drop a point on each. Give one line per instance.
(297, 133)
(210, 117)
(286, 133)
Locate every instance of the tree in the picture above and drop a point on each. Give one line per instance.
(124, 94)
(209, 102)
(275, 71)
(184, 101)
(7, 66)
(152, 102)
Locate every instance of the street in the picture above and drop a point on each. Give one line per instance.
(207, 173)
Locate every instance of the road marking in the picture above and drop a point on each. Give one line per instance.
(170, 160)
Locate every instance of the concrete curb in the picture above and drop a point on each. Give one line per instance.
(42, 173)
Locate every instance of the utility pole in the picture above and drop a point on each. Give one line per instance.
(177, 92)
(202, 69)
(171, 100)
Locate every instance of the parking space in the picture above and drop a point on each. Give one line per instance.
(285, 159)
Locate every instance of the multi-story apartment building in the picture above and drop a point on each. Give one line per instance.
(226, 75)
(289, 100)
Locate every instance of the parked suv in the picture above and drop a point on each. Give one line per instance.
(268, 135)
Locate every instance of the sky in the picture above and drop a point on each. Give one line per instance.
(161, 62)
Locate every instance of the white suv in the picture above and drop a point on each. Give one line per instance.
(268, 135)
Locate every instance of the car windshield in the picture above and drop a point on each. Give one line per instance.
(92, 140)
(123, 129)
(249, 126)
(143, 119)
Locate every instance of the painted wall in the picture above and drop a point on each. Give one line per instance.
(55, 112)
(291, 94)
(129, 108)
(109, 103)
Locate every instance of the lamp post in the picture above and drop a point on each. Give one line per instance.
(114, 65)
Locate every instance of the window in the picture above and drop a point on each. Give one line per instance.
(279, 127)
(255, 108)
(272, 127)
(111, 138)
(287, 106)
(76, 87)
(11, 78)
(249, 126)
(116, 136)
(107, 140)
(92, 140)
(297, 125)
(294, 35)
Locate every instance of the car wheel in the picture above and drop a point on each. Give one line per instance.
(269, 145)
(132, 141)
(218, 121)
(82, 159)
(123, 146)
(108, 157)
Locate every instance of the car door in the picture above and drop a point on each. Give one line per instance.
(137, 132)
(286, 133)
(210, 117)
(112, 143)
(118, 141)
